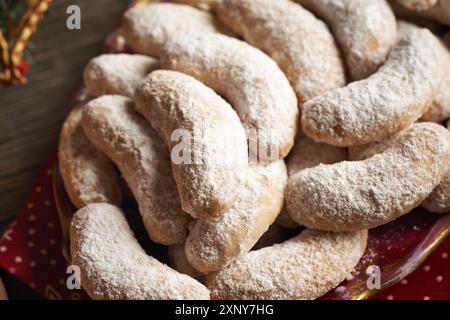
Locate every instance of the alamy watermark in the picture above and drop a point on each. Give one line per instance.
(73, 21)
(189, 147)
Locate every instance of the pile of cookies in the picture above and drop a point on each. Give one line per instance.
(235, 120)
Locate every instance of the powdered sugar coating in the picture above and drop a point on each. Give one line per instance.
(210, 245)
(439, 200)
(113, 126)
(364, 194)
(304, 267)
(365, 30)
(440, 108)
(117, 73)
(300, 43)
(307, 153)
(358, 153)
(217, 163)
(146, 29)
(88, 175)
(385, 103)
(115, 267)
(251, 81)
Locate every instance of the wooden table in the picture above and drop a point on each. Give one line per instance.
(31, 115)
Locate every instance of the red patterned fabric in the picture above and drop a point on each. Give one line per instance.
(31, 251)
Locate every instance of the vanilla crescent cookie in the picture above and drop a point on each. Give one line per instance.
(212, 244)
(300, 43)
(305, 154)
(365, 31)
(355, 195)
(88, 175)
(303, 268)
(439, 199)
(250, 80)
(117, 73)
(440, 108)
(386, 102)
(115, 267)
(113, 126)
(146, 29)
(214, 162)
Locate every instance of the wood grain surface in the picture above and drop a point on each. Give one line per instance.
(31, 115)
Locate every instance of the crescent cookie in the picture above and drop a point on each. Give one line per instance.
(88, 175)
(212, 244)
(305, 154)
(209, 175)
(146, 29)
(117, 73)
(113, 126)
(364, 194)
(304, 267)
(440, 108)
(365, 30)
(251, 81)
(386, 102)
(300, 43)
(115, 267)
(439, 199)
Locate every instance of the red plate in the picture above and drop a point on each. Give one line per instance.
(396, 248)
